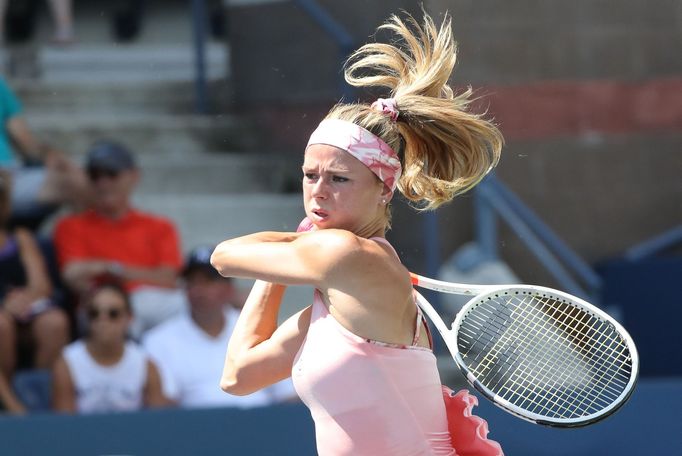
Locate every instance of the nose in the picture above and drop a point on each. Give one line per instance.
(319, 189)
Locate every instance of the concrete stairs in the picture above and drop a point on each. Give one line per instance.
(175, 135)
(130, 63)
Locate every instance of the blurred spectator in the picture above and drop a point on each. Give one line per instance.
(42, 176)
(104, 372)
(62, 12)
(190, 349)
(30, 324)
(127, 19)
(62, 15)
(112, 239)
(8, 400)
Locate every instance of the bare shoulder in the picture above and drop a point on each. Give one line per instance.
(355, 258)
(333, 238)
(342, 245)
(333, 244)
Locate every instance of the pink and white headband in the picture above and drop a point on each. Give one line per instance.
(371, 150)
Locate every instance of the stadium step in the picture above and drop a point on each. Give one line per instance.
(178, 135)
(221, 173)
(67, 98)
(115, 63)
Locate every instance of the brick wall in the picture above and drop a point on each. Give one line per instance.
(522, 41)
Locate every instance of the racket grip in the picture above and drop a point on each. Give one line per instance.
(305, 225)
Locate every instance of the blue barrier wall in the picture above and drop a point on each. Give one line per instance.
(649, 424)
(285, 429)
(647, 292)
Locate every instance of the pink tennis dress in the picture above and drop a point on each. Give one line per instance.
(372, 398)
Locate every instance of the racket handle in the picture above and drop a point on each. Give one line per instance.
(415, 279)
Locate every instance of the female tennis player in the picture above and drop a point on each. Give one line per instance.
(360, 356)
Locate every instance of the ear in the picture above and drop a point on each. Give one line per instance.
(386, 195)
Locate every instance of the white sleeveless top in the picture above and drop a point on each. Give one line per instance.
(115, 388)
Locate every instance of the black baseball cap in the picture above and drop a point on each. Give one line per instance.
(106, 155)
(199, 258)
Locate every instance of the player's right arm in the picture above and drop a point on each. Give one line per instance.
(260, 353)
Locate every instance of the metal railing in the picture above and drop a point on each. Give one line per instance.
(655, 245)
(336, 31)
(199, 23)
(493, 201)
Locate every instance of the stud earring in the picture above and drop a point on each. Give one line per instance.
(383, 201)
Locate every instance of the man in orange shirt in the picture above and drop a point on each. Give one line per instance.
(114, 239)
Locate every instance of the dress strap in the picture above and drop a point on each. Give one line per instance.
(417, 328)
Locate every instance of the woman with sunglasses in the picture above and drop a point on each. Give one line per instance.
(360, 356)
(105, 372)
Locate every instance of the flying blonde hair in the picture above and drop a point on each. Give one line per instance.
(445, 150)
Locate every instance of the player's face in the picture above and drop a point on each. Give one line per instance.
(341, 192)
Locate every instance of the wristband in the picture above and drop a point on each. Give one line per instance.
(305, 225)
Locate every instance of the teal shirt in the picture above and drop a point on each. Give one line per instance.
(9, 107)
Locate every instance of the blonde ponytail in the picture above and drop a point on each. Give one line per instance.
(445, 150)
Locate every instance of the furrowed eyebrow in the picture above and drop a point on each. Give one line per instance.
(327, 171)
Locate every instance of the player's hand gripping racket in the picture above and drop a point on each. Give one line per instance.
(541, 354)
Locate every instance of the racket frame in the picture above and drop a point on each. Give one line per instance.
(481, 293)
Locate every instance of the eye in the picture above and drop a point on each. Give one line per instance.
(340, 179)
(310, 176)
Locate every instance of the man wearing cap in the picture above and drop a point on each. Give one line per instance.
(112, 238)
(190, 348)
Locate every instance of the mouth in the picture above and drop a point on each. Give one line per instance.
(320, 214)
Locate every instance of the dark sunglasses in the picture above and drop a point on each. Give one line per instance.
(112, 314)
(96, 174)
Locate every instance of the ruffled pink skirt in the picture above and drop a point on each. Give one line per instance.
(468, 432)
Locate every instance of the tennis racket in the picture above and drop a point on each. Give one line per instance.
(543, 355)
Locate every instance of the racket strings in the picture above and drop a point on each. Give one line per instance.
(615, 363)
(545, 355)
(528, 381)
(576, 376)
(542, 385)
(570, 374)
(535, 389)
(540, 379)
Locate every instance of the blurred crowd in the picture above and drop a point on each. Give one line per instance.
(20, 16)
(18, 19)
(101, 312)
